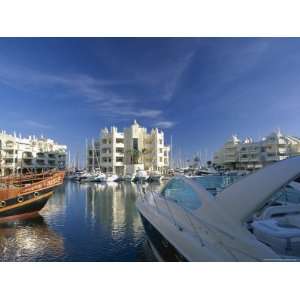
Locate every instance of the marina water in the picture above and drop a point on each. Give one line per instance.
(81, 222)
(92, 222)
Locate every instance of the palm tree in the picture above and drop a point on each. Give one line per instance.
(134, 156)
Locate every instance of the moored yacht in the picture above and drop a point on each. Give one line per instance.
(185, 222)
(128, 178)
(111, 178)
(100, 177)
(141, 176)
(155, 176)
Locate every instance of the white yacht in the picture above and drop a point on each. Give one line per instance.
(155, 176)
(111, 178)
(100, 177)
(128, 178)
(185, 222)
(141, 176)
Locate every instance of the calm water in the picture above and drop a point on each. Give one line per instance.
(92, 222)
(81, 222)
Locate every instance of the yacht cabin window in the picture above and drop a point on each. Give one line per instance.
(181, 193)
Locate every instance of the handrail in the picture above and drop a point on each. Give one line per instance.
(206, 225)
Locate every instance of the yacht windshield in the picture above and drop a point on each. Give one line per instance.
(215, 184)
(183, 194)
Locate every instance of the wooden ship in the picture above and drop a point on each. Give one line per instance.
(25, 195)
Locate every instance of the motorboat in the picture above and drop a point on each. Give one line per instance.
(141, 176)
(155, 176)
(111, 178)
(186, 222)
(128, 178)
(205, 171)
(279, 227)
(100, 177)
(88, 177)
(78, 175)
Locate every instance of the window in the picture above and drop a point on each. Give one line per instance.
(135, 144)
(160, 150)
(183, 194)
(119, 159)
(160, 141)
(104, 141)
(160, 159)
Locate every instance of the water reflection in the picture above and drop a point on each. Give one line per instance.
(81, 222)
(28, 239)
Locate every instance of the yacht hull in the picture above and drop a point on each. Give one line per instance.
(163, 249)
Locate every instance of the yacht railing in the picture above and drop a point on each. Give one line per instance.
(208, 227)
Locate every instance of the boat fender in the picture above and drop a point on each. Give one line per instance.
(20, 199)
(2, 204)
(36, 194)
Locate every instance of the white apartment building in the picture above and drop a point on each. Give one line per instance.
(27, 154)
(125, 152)
(250, 155)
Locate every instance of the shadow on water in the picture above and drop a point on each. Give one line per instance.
(81, 222)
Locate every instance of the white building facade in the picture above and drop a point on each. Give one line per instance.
(18, 154)
(125, 152)
(250, 155)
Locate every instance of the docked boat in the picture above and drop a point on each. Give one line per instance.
(100, 177)
(92, 177)
(279, 227)
(77, 175)
(28, 196)
(111, 178)
(128, 178)
(205, 171)
(155, 177)
(185, 222)
(141, 176)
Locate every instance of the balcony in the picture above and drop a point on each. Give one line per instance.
(119, 145)
(27, 162)
(9, 155)
(40, 162)
(8, 145)
(27, 155)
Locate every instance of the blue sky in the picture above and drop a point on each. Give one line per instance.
(199, 90)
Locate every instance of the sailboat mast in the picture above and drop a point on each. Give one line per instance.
(93, 145)
(171, 153)
(86, 154)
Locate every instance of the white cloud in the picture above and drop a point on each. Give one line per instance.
(37, 125)
(176, 73)
(98, 93)
(164, 124)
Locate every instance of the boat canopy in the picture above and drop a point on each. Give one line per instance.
(246, 196)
